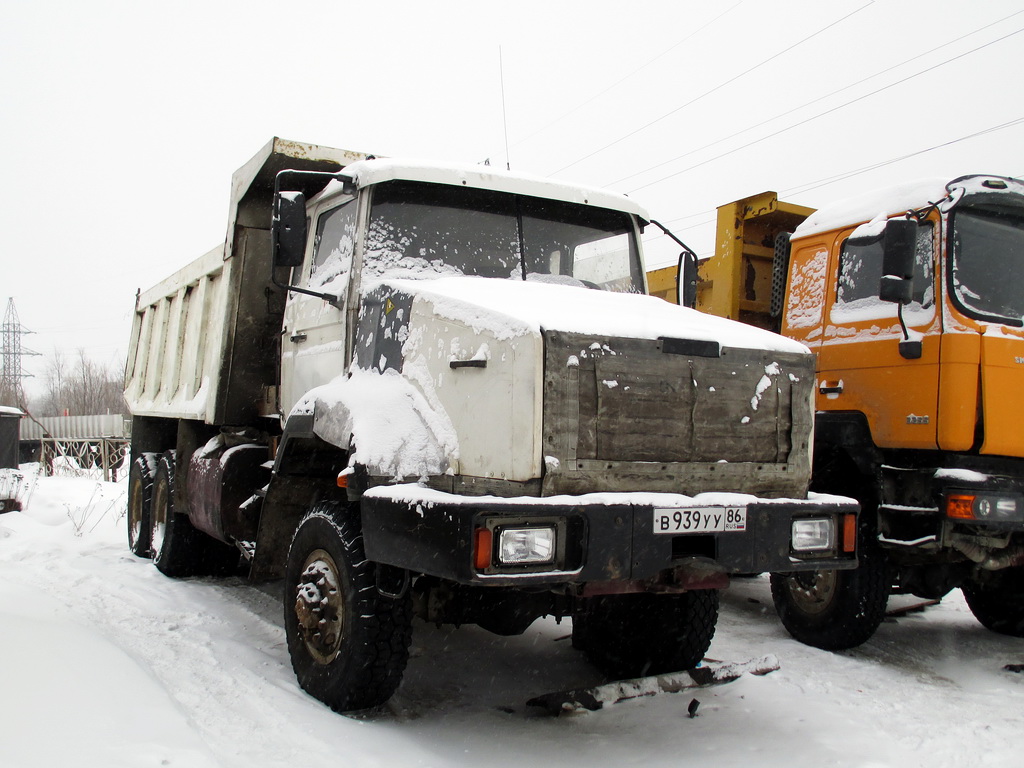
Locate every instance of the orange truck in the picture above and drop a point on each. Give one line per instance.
(912, 300)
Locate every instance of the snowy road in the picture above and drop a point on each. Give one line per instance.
(108, 663)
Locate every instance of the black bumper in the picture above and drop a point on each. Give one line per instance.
(919, 509)
(605, 538)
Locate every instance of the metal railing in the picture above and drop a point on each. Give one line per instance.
(85, 457)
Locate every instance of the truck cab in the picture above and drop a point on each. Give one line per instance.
(907, 297)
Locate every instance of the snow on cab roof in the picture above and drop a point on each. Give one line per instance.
(375, 171)
(892, 201)
(857, 210)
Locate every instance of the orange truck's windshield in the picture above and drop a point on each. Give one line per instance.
(987, 263)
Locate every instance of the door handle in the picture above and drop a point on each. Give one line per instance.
(831, 388)
(297, 337)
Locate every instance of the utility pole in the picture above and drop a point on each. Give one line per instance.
(11, 390)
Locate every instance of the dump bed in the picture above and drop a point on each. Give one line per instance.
(205, 341)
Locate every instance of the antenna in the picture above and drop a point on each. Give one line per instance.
(504, 117)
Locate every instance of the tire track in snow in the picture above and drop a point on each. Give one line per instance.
(210, 644)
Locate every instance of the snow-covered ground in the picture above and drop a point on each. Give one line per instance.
(107, 663)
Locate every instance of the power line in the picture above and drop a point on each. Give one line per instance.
(713, 90)
(627, 76)
(807, 187)
(813, 101)
(826, 112)
(843, 176)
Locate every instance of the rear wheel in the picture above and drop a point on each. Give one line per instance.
(140, 492)
(998, 603)
(178, 548)
(633, 635)
(348, 643)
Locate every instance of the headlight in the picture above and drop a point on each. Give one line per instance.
(526, 546)
(813, 535)
(985, 507)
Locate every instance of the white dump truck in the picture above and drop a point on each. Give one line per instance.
(411, 389)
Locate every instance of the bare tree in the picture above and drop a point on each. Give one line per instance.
(55, 382)
(80, 388)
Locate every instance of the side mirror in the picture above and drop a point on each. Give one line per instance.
(288, 229)
(899, 243)
(686, 275)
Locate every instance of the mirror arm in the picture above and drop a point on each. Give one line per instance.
(679, 242)
(334, 301)
(909, 350)
(685, 295)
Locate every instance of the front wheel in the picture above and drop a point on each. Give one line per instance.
(998, 602)
(833, 610)
(632, 635)
(348, 643)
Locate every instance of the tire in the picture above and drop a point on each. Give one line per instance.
(838, 610)
(179, 549)
(835, 610)
(348, 643)
(998, 603)
(140, 492)
(634, 635)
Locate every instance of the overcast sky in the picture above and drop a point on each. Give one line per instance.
(123, 121)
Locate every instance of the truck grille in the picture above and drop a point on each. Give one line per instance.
(674, 415)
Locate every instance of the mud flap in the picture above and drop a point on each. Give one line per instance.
(593, 699)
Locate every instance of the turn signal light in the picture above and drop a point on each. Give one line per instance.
(960, 506)
(849, 533)
(482, 543)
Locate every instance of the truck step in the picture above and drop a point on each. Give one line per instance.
(593, 699)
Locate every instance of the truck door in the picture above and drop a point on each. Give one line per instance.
(313, 338)
(860, 367)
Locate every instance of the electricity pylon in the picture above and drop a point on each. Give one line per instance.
(11, 375)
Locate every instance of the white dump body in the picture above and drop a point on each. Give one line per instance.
(204, 341)
(172, 369)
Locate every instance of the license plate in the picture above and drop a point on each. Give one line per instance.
(700, 520)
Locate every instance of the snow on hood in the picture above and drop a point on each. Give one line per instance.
(510, 308)
(393, 429)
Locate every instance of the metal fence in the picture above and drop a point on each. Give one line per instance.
(79, 446)
(81, 457)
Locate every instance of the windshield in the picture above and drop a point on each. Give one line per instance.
(988, 258)
(422, 230)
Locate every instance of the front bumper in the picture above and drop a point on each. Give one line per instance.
(607, 537)
(928, 509)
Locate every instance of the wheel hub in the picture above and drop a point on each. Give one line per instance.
(158, 522)
(318, 607)
(813, 590)
(135, 512)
